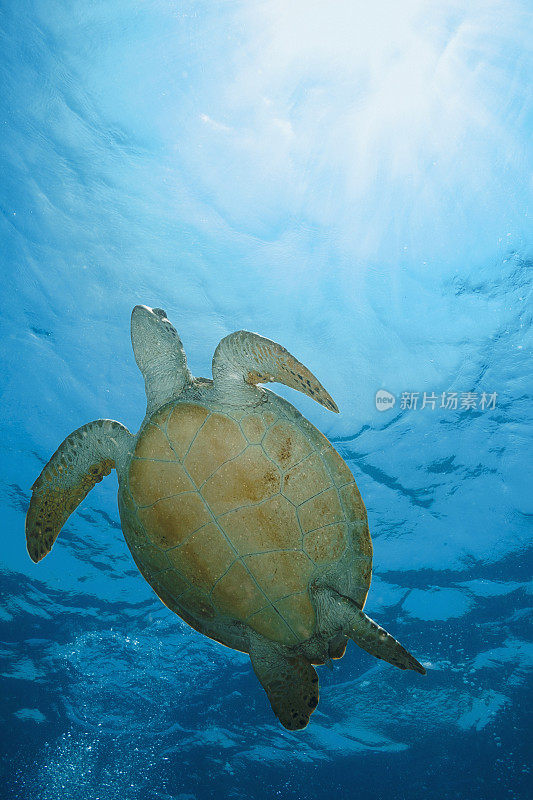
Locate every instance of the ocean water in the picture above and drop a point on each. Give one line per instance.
(353, 182)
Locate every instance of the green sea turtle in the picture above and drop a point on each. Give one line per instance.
(239, 513)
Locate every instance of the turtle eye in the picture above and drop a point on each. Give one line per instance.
(160, 312)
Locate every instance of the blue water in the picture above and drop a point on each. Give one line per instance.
(353, 182)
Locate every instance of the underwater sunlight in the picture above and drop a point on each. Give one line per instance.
(353, 183)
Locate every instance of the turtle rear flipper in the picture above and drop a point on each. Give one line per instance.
(289, 680)
(375, 640)
(79, 463)
(368, 635)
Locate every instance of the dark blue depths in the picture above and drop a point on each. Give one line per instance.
(234, 164)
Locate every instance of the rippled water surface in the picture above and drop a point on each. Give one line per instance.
(354, 183)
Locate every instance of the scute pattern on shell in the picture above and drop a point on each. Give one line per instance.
(234, 513)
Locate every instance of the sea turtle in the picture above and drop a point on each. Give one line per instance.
(239, 513)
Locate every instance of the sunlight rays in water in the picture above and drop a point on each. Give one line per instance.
(349, 179)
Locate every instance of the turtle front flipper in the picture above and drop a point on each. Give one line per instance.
(247, 358)
(289, 680)
(79, 463)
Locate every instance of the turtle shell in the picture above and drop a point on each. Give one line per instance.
(235, 513)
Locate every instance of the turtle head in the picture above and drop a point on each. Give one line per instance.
(150, 328)
(159, 355)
